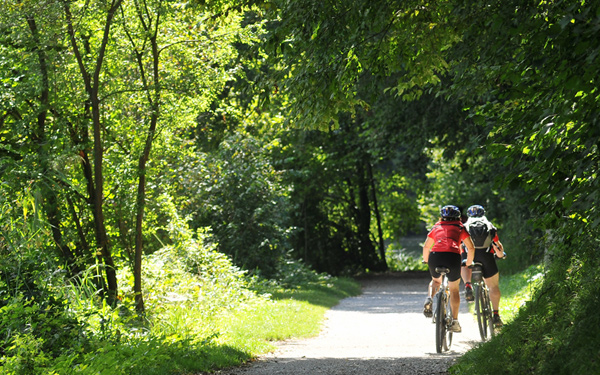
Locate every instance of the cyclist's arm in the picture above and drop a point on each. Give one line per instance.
(470, 250)
(427, 248)
(499, 249)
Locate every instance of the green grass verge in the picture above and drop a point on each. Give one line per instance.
(516, 290)
(188, 340)
(556, 332)
(289, 313)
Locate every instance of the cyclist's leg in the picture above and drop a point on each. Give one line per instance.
(493, 285)
(454, 297)
(491, 275)
(454, 263)
(465, 274)
(435, 260)
(434, 285)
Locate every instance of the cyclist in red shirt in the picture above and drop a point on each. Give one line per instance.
(442, 249)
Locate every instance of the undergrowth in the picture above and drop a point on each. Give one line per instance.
(558, 330)
(517, 289)
(400, 260)
(202, 313)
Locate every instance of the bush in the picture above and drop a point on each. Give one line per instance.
(399, 260)
(50, 325)
(558, 331)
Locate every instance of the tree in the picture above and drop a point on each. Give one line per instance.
(130, 73)
(90, 77)
(326, 47)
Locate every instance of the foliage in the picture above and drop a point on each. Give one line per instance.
(199, 315)
(236, 191)
(398, 260)
(115, 116)
(322, 57)
(555, 332)
(89, 106)
(537, 99)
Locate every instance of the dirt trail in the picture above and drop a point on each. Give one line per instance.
(382, 331)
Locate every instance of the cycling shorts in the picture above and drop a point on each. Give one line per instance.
(445, 259)
(487, 259)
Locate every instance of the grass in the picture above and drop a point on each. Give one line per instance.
(294, 313)
(288, 313)
(517, 289)
(555, 332)
(223, 326)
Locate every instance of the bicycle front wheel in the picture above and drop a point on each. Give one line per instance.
(480, 309)
(440, 321)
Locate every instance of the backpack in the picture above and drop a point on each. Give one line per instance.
(481, 234)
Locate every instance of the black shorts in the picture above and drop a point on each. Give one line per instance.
(490, 268)
(445, 259)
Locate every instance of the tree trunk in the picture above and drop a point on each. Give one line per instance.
(368, 252)
(92, 84)
(377, 216)
(154, 95)
(48, 192)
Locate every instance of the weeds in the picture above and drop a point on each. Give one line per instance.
(203, 313)
(400, 260)
(557, 329)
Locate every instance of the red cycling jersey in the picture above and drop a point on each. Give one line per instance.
(447, 236)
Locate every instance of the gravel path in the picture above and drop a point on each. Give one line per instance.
(382, 331)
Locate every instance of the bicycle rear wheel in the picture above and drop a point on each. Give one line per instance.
(488, 312)
(440, 321)
(480, 309)
(448, 322)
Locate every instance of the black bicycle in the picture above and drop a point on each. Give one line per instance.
(483, 304)
(442, 316)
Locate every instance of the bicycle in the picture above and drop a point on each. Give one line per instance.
(442, 316)
(483, 305)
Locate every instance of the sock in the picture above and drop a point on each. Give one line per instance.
(496, 312)
(467, 285)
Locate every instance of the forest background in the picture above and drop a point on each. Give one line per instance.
(163, 157)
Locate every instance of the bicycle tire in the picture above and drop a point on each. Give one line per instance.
(489, 313)
(480, 307)
(440, 321)
(448, 322)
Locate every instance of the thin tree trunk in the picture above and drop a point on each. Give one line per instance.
(154, 95)
(92, 84)
(377, 215)
(49, 196)
(364, 221)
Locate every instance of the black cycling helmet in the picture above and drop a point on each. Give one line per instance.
(475, 211)
(450, 212)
